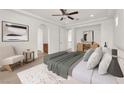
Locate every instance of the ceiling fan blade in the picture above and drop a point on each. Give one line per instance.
(61, 19)
(63, 11)
(72, 13)
(71, 18)
(57, 15)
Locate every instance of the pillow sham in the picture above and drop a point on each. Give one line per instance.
(95, 58)
(88, 54)
(98, 49)
(104, 64)
(106, 50)
(114, 68)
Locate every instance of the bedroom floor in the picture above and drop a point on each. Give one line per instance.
(7, 77)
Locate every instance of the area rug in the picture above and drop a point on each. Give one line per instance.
(39, 75)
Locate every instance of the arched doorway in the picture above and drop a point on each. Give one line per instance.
(42, 39)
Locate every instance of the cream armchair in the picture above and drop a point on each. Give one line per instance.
(8, 57)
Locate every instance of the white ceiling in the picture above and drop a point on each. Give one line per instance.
(82, 16)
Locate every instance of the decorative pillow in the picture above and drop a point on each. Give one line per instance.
(88, 54)
(98, 49)
(106, 50)
(114, 68)
(95, 58)
(104, 64)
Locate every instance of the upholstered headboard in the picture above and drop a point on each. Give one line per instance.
(121, 59)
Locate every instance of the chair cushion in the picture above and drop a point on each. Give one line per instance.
(81, 73)
(12, 60)
(6, 51)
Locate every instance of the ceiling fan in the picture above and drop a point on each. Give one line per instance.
(65, 13)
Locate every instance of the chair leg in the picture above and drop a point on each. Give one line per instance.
(21, 63)
(8, 67)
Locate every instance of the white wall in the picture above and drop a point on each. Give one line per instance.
(103, 32)
(34, 24)
(53, 32)
(95, 28)
(107, 32)
(119, 36)
(119, 29)
(33, 27)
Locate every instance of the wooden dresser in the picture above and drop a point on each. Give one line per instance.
(85, 46)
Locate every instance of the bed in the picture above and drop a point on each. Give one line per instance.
(64, 67)
(71, 64)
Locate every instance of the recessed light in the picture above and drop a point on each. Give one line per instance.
(91, 15)
(66, 22)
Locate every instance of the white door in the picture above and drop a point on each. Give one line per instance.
(63, 39)
(71, 40)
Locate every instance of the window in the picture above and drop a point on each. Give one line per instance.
(70, 39)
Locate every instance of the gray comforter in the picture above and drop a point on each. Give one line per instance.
(54, 55)
(61, 64)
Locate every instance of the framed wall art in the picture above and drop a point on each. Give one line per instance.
(14, 32)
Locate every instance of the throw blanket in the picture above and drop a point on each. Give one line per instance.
(61, 64)
(54, 55)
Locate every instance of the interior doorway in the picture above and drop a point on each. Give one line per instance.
(42, 40)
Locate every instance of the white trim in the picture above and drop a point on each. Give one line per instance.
(91, 22)
(76, 25)
(35, 16)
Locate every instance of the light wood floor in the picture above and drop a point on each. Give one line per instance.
(7, 77)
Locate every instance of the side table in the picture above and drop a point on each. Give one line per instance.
(29, 56)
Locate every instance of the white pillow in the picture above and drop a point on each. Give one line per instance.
(106, 50)
(94, 58)
(104, 64)
(98, 49)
